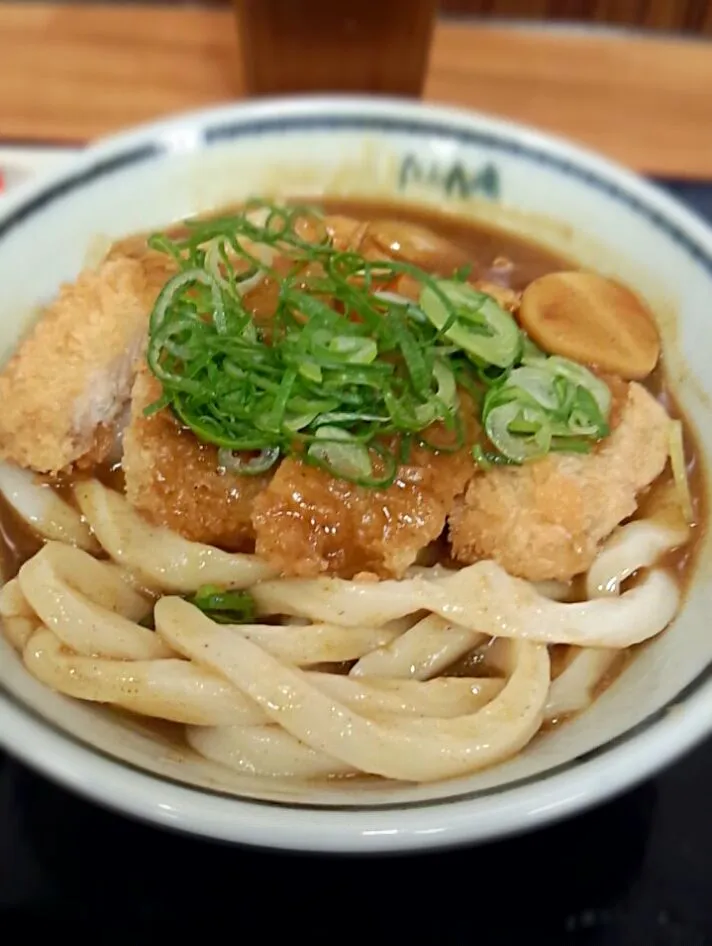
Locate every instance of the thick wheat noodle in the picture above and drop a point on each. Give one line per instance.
(98, 599)
(19, 630)
(12, 601)
(572, 691)
(428, 647)
(162, 559)
(183, 692)
(167, 688)
(422, 652)
(19, 621)
(634, 546)
(404, 748)
(485, 598)
(43, 509)
(177, 690)
(556, 590)
(317, 643)
(62, 585)
(241, 692)
(446, 697)
(88, 589)
(266, 751)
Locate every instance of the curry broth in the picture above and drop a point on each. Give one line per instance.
(490, 250)
(497, 256)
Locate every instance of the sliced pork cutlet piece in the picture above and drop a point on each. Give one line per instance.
(546, 519)
(309, 523)
(176, 481)
(70, 380)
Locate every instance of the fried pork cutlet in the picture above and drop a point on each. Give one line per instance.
(71, 378)
(308, 523)
(175, 480)
(546, 519)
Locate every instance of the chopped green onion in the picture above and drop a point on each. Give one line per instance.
(531, 353)
(346, 375)
(512, 445)
(480, 327)
(581, 377)
(538, 383)
(236, 464)
(486, 459)
(550, 405)
(446, 385)
(356, 351)
(338, 451)
(220, 605)
(462, 274)
(311, 371)
(224, 607)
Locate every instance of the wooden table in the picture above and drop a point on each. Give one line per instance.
(70, 73)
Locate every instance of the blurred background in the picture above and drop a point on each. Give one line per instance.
(694, 16)
(629, 78)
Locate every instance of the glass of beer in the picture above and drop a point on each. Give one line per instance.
(374, 46)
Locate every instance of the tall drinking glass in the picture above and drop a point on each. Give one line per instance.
(377, 46)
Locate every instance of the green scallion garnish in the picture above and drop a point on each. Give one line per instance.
(346, 373)
(224, 607)
(551, 405)
(221, 606)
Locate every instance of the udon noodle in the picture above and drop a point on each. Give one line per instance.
(365, 644)
(249, 694)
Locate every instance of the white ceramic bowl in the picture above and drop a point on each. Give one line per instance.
(567, 199)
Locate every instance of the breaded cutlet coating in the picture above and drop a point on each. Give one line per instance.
(546, 519)
(309, 523)
(70, 378)
(175, 480)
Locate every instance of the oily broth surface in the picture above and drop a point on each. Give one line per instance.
(484, 245)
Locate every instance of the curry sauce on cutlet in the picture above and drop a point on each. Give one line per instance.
(310, 523)
(176, 481)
